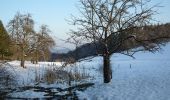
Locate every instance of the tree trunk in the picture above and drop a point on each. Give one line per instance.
(23, 57)
(22, 63)
(36, 59)
(107, 72)
(2, 56)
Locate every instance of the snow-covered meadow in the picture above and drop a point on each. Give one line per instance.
(143, 78)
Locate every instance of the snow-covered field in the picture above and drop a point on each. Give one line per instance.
(133, 80)
(26, 76)
(145, 78)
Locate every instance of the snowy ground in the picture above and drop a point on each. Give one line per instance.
(143, 78)
(26, 76)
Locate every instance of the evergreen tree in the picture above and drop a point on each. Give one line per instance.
(4, 42)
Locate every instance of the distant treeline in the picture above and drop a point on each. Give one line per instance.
(152, 35)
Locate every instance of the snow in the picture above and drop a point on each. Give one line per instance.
(28, 94)
(143, 78)
(26, 76)
(143, 81)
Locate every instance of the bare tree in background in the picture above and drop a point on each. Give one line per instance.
(76, 41)
(42, 43)
(21, 29)
(27, 42)
(112, 23)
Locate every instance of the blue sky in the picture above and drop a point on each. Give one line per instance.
(51, 12)
(55, 12)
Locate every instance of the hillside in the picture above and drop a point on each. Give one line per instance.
(154, 35)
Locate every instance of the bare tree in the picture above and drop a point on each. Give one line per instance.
(113, 23)
(42, 42)
(21, 28)
(76, 41)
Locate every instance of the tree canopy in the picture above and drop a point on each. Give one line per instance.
(4, 41)
(114, 23)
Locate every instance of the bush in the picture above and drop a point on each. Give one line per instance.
(60, 75)
(50, 76)
(7, 79)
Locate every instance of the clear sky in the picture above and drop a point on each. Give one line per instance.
(51, 12)
(55, 12)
